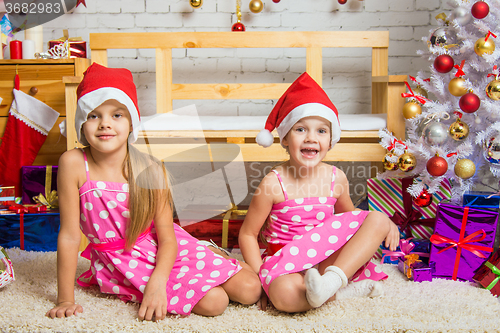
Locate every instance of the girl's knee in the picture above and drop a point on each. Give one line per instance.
(283, 294)
(251, 289)
(214, 303)
(378, 220)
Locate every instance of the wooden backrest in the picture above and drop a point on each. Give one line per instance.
(313, 42)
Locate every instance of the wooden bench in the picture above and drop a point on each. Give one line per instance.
(353, 145)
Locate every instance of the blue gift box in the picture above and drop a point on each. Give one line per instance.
(40, 231)
(481, 199)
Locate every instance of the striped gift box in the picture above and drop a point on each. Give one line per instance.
(386, 196)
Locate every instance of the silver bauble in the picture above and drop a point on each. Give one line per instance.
(462, 16)
(492, 150)
(442, 37)
(435, 133)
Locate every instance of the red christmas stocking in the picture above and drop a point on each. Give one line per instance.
(27, 127)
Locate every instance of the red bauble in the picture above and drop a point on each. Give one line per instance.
(424, 199)
(469, 103)
(444, 63)
(342, 2)
(480, 9)
(276, 1)
(238, 26)
(437, 166)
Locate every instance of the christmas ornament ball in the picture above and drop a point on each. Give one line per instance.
(493, 90)
(420, 91)
(238, 26)
(469, 103)
(465, 168)
(459, 130)
(423, 200)
(441, 37)
(276, 1)
(457, 87)
(480, 9)
(256, 6)
(388, 165)
(437, 166)
(444, 63)
(461, 15)
(435, 133)
(407, 162)
(492, 150)
(411, 110)
(483, 46)
(342, 2)
(196, 3)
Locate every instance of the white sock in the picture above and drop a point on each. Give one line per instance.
(320, 288)
(363, 288)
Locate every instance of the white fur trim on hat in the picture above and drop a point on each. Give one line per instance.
(90, 101)
(264, 138)
(309, 110)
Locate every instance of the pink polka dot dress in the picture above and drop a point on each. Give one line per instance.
(103, 218)
(307, 231)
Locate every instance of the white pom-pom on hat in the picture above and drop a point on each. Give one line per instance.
(264, 138)
(304, 98)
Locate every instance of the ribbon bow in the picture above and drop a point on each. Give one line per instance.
(395, 143)
(459, 68)
(495, 271)
(411, 94)
(410, 260)
(405, 247)
(50, 201)
(495, 72)
(225, 222)
(21, 210)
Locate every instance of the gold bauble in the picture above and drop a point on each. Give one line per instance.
(256, 6)
(465, 168)
(493, 90)
(483, 46)
(196, 3)
(459, 130)
(407, 162)
(411, 110)
(420, 91)
(388, 165)
(457, 87)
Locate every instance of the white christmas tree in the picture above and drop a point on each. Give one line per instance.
(452, 117)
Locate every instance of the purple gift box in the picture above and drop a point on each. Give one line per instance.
(419, 271)
(462, 241)
(34, 180)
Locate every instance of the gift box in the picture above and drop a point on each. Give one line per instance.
(30, 231)
(223, 228)
(390, 196)
(414, 269)
(7, 195)
(488, 275)
(463, 239)
(7, 271)
(77, 46)
(421, 247)
(39, 185)
(482, 199)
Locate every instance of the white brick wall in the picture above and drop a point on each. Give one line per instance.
(346, 77)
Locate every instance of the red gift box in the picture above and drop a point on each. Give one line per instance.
(488, 275)
(7, 195)
(77, 46)
(223, 228)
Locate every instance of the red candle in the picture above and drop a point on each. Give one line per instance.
(16, 49)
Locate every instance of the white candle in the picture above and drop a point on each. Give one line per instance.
(35, 34)
(28, 49)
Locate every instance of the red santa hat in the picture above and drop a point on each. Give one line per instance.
(304, 98)
(100, 84)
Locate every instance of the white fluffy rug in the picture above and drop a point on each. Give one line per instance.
(437, 306)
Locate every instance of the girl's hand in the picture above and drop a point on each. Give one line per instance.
(392, 239)
(154, 303)
(263, 301)
(64, 309)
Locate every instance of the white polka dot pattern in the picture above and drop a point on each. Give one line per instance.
(103, 218)
(309, 232)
